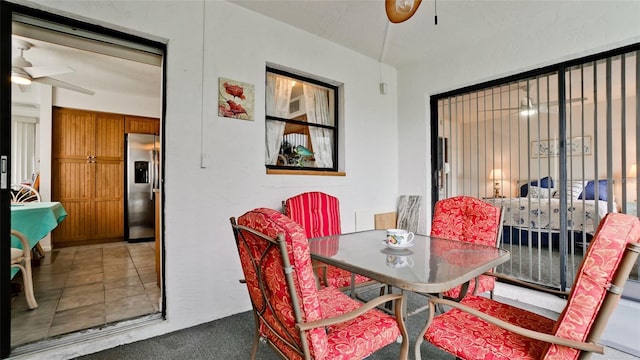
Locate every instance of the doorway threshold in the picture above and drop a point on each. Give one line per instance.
(42, 349)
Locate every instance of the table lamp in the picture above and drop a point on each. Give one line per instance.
(496, 175)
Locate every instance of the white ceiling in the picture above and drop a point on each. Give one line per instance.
(360, 25)
(96, 67)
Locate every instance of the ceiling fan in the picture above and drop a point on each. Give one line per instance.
(23, 72)
(527, 106)
(401, 10)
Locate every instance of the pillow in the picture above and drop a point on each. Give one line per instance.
(574, 189)
(536, 192)
(589, 192)
(545, 182)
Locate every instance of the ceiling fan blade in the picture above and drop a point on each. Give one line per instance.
(41, 71)
(64, 85)
(572, 100)
(503, 109)
(577, 99)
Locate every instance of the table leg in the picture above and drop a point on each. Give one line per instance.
(353, 285)
(40, 249)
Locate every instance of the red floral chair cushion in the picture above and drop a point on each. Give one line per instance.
(319, 215)
(594, 277)
(355, 339)
(465, 218)
(469, 337)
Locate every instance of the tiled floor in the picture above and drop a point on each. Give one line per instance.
(84, 287)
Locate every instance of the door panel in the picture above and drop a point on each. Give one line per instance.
(109, 219)
(108, 199)
(72, 134)
(72, 186)
(109, 137)
(142, 125)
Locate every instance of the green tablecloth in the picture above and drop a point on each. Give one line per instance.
(35, 220)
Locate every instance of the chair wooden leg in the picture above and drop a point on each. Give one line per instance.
(28, 284)
(41, 251)
(28, 288)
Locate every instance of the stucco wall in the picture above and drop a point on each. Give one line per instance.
(215, 166)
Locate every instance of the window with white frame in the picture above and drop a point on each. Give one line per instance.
(301, 123)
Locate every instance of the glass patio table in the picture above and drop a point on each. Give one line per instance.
(430, 266)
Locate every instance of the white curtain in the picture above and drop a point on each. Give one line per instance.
(317, 103)
(23, 146)
(278, 97)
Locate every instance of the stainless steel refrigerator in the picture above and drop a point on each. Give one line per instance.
(142, 173)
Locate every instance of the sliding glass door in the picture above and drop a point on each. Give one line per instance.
(555, 148)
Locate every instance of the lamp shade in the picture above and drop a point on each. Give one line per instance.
(20, 79)
(496, 174)
(633, 171)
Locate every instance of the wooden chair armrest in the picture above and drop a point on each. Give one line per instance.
(519, 282)
(580, 345)
(25, 244)
(355, 313)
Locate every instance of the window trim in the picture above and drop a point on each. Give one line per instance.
(289, 170)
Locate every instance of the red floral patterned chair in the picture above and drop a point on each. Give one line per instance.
(319, 215)
(292, 315)
(481, 328)
(466, 218)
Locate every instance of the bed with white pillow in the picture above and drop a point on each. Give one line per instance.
(537, 210)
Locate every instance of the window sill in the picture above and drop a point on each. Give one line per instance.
(305, 172)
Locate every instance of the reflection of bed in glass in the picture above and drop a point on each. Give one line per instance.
(531, 229)
(536, 220)
(534, 217)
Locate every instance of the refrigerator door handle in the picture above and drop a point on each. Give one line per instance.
(152, 175)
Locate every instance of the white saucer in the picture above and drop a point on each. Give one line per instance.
(397, 247)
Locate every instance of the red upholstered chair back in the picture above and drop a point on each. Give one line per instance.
(318, 213)
(466, 218)
(262, 264)
(594, 278)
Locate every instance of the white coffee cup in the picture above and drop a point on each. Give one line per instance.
(399, 237)
(399, 261)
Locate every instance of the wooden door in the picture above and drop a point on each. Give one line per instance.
(109, 177)
(88, 175)
(72, 172)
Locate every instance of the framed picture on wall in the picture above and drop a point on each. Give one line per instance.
(580, 145)
(235, 99)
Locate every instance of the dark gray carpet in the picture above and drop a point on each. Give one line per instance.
(230, 338)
